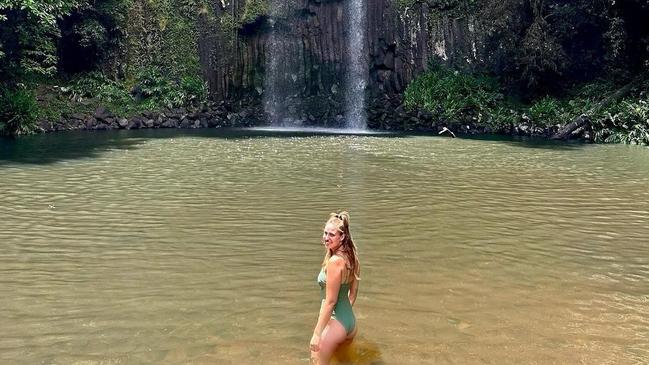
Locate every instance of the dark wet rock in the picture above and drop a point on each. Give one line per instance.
(186, 123)
(135, 123)
(426, 116)
(385, 112)
(78, 116)
(45, 125)
(103, 115)
(170, 123)
(90, 122)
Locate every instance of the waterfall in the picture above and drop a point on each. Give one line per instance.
(284, 77)
(279, 83)
(357, 73)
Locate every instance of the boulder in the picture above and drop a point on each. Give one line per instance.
(101, 114)
(90, 122)
(185, 123)
(169, 123)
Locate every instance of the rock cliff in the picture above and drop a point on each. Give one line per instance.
(401, 42)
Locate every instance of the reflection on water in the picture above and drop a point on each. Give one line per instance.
(166, 248)
(359, 351)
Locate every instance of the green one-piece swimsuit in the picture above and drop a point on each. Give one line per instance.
(343, 309)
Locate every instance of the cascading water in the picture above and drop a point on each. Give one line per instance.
(357, 73)
(284, 79)
(278, 81)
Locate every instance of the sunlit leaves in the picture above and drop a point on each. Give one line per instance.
(46, 11)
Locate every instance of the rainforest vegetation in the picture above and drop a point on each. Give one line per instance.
(550, 62)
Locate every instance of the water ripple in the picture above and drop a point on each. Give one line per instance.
(205, 250)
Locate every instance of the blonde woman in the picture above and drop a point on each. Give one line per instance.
(338, 281)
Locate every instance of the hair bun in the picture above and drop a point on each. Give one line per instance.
(343, 216)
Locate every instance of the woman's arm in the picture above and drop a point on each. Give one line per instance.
(335, 268)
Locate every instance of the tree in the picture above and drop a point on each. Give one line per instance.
(28, 35)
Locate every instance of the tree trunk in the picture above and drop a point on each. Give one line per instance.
(583, 119)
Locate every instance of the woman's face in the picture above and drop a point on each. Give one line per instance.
(331, 237)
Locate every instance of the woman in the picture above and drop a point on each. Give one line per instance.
(338, 281)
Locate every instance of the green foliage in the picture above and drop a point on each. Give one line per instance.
(96, 85)
(18, 111)
(44, 11)
(543, 47)
(253, 9)
(546, 112)
(628, 124)
(455, 7)
(38, 49)
(116, 11)
(150, 90)
(164, 35)
(195, 89)
(501, 118)
(180, 49)
(90, 32)
(28, 35)
(626, 121)
(542, 57)
(455, 96)
(159, 90)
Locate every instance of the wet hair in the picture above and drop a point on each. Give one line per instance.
(341, 221)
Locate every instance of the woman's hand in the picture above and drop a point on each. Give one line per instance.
(315, 343)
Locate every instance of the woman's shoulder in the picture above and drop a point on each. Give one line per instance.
(339, 262)
(337, 258)
(336, 261)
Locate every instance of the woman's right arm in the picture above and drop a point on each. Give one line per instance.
(334, 275)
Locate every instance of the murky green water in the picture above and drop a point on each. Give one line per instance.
(167, 248)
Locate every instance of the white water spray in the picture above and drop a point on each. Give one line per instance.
(357, 73)
(277, 83)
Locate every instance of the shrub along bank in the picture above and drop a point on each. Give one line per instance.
(459, 100)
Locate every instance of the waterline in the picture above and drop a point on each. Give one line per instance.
(319, 130)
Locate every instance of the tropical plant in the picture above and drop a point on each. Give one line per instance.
(547, 111)
(629, 125)
(28, 33)
(455, 96)
(18, 111)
